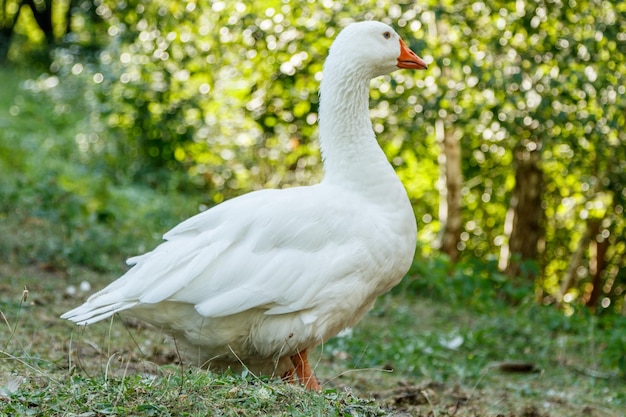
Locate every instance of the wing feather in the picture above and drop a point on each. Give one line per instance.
(270, 249)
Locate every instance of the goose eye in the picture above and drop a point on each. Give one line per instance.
(387, 35)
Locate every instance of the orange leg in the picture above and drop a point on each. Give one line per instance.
(303, 370)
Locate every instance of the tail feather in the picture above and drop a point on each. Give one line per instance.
(88, 314)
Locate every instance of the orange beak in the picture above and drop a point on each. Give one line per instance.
(408, 59)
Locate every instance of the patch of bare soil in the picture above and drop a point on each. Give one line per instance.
(431, 399)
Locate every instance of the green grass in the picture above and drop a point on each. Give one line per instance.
(440, 345)
(191, 394)
(411, 354)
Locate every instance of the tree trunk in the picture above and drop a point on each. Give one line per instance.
(598, 247)
(7, 26)
(524, 221)
(68, 16)
(5, 44)
(450, 191)
(42, 11)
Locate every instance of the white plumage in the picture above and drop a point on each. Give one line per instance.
(263, 277)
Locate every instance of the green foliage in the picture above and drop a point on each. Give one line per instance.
(225, 94)
(31, 30)
(471, 282)
(63, 212)
(228, 93)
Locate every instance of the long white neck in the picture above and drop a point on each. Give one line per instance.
(348, 144)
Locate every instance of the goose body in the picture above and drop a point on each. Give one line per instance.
(262, 278)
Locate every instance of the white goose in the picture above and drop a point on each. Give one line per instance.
(263, 278)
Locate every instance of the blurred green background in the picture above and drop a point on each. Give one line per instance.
(121, 118)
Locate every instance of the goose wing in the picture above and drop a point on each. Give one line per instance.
(270, 249)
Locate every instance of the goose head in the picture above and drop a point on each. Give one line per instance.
(373, 48)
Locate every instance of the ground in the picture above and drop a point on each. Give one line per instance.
(411, 356)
